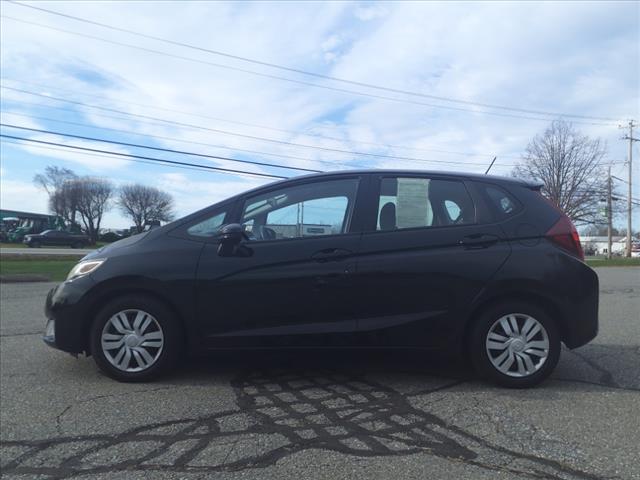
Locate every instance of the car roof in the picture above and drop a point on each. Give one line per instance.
(438, 173)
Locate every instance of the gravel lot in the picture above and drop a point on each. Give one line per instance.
(320, 415)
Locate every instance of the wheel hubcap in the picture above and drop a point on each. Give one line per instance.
(517, 345)
(132, 340)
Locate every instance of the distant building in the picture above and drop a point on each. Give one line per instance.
(599, 245)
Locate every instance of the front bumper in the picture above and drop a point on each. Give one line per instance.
(66, 311)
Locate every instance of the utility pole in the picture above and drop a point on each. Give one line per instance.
(609, 216)
(629, 137)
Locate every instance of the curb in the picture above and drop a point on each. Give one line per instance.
(24, 278)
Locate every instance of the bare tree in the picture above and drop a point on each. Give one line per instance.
(599, 231)
(53, 178)
(55, 181)
(93, 195)
(63, 201)
(571, 167)
(145, 204)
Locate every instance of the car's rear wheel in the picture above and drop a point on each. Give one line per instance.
(135, 339)
(77, 245)
(515, 345)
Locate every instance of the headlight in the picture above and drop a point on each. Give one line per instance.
(84, 267)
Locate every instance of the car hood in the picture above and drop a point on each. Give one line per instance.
(108, 249)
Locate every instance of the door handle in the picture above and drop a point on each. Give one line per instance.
(331, 254)
(479, 240)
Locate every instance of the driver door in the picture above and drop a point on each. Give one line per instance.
(292, 284)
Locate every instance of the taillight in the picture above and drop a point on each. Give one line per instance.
(565, 235)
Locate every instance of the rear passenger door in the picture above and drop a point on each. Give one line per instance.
(423, 258)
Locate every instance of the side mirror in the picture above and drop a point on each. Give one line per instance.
(230, 237)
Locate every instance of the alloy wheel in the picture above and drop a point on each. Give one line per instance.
(517, 345)
(132, 340)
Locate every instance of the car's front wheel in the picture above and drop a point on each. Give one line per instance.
(515, 345)
(135, 339)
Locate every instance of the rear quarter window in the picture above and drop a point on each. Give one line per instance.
(501, 203)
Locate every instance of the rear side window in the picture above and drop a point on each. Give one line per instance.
(502, 203)
(409, 202)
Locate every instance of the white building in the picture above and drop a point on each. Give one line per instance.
(599, 245)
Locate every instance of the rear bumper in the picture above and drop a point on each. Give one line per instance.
(581, 309)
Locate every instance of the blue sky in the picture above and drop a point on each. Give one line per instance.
(572, 57)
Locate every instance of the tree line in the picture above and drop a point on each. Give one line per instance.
(83, 200)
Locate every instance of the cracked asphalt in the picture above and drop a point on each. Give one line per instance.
(320, 415)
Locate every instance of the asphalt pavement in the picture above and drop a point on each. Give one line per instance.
(321, 415)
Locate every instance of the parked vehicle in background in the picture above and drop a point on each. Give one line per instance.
(16, 224)
(56, 238)
(380, 259)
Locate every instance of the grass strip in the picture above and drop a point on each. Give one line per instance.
(614, 262)
(55, 269)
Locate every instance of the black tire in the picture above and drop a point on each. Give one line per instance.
(478, 348)
(77, 245)
(168, 356)
(34, 244)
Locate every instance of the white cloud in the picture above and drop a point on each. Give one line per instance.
(579, 57)
(369, 13)
(190, 195)
(22, 196)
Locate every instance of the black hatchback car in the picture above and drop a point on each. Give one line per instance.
(483, 265)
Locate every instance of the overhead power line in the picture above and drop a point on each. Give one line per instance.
(157, 149)
(190, 142)
(300, 82)
(142, 157)
(162, 137)
(162, 122)
(308, 73)
(226, 132)
(99, 155)
(265, 127)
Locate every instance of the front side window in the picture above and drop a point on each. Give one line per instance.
(407, 202)
(209, 226)
(313, 209)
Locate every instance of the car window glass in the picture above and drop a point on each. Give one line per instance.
(453, 210)
(208, 227)
(502, 202)
(423, 202)
(319, 208)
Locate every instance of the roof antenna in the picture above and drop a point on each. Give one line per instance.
(492, 161)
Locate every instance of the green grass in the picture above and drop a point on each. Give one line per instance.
(614, 262)
(12, 245)
(56, 269)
